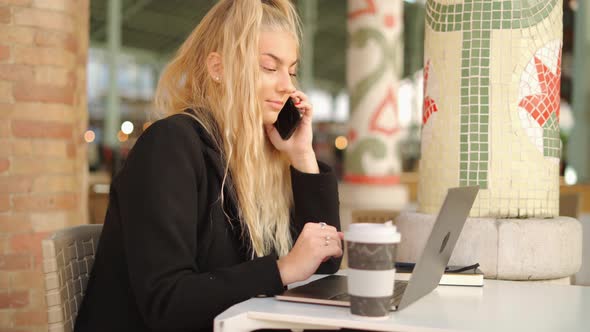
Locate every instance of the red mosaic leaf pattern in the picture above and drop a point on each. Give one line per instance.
(429, 106)
(541, 106)
(369, 9)
(375, 125)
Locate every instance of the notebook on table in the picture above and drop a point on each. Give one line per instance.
(332, 290)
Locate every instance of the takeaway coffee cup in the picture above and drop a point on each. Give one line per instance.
(371, 268)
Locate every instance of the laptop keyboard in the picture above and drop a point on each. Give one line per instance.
(398, 290)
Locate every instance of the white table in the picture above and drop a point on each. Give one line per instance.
(499, 306)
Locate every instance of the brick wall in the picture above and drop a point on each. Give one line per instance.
(43, 165)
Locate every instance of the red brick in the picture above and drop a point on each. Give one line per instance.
(21, 280)
(56, 39)
(12, 72)
(22, 148)
(5, 147)
(71, 150)
(37, 166)
(5, 16)
(4, 285)
(4, 53)
(6, 93)
(11, 262)
(4, 204)
(49, 112)
(14, 299)
(16, 2)
(45, 93)
(41, 18)
(15, 223)
(4, 125)
(43, 56)
(47, 202)
(55, 183)
(16, 35)
(60, 5)
(52, 75)
(4, 165)
(15, 184)
(41, 129)
(28, 243)
(30, 318)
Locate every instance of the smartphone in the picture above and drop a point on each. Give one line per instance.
(288, 120)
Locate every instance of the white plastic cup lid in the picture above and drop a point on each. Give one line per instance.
(372, 233)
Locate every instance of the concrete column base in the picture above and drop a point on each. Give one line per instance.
(510, 249)
(369, 197)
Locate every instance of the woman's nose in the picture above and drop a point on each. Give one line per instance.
(285, 84)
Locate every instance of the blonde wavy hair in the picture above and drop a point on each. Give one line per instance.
(259, 172)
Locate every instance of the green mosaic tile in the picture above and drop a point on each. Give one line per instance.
(496, 25)
(496, 15)
(472, 176)
(463, 157)
(462, 167)
(484, 156)
(483, 176)
(497, 5)
(464, 147)
(463, 183)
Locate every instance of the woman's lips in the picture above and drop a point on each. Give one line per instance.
(275, 104)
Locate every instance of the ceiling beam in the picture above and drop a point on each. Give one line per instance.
(127, 13)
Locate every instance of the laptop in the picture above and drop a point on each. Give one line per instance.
(332, 290)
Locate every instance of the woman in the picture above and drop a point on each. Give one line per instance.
(212, 207)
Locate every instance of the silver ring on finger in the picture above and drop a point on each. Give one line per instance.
(322, 225)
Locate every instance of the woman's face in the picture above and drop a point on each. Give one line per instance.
(278, 66)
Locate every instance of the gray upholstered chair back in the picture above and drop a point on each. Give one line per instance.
(68, 256)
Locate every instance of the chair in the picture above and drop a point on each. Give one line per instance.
(68, 256)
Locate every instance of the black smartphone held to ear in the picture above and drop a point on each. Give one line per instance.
(288, 120)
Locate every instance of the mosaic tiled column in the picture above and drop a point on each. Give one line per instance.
(491, 109)
(372, 163)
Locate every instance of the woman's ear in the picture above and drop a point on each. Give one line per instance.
(214, 66)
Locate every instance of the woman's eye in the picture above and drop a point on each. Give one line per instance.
(269, 69)
(293, 75)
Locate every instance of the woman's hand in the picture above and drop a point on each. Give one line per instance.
(298, 148)
(316, 244)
